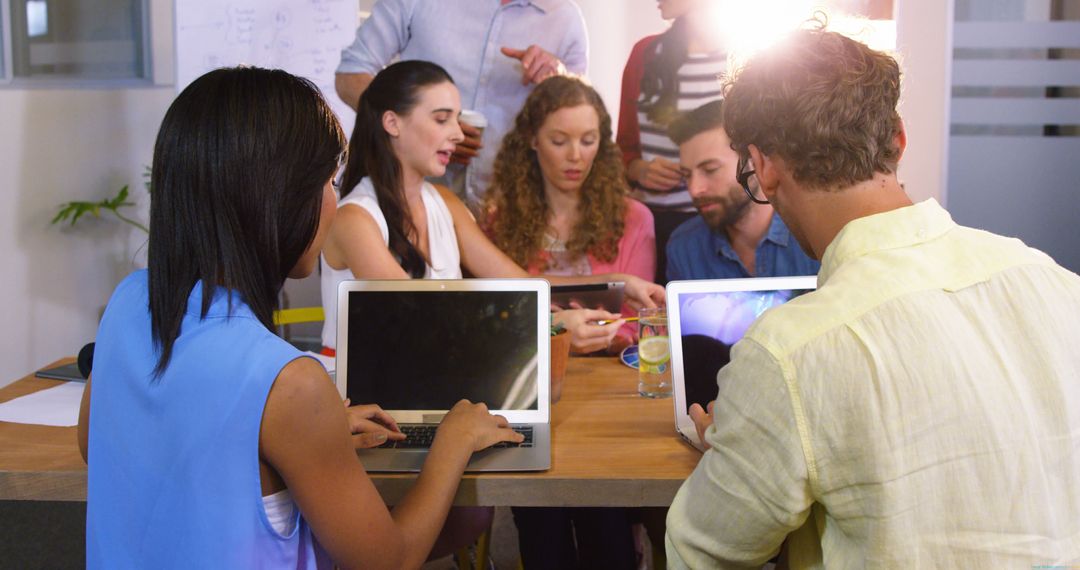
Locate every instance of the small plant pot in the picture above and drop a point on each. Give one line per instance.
(560, 354)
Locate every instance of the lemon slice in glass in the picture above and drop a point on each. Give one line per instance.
(654, 350)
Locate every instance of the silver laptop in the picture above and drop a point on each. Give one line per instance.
(417, 347)
(705, 320)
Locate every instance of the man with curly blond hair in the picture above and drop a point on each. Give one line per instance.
(921, 409)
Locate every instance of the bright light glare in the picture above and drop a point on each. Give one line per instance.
(751, 26)
(878, 34)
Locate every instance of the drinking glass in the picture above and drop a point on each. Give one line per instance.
(654, 354)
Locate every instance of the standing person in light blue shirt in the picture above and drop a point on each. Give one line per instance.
(733, 236)
(495, 50)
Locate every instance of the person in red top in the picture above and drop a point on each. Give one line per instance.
(667, 74)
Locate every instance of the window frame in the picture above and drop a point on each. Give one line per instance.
(5, 39)
(152, 12)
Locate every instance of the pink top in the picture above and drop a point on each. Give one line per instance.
(636, 255)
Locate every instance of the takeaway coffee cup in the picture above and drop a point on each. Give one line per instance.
(474, 119)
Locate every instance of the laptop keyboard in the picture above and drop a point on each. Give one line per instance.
(420, 436)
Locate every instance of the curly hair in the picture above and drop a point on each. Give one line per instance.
(823, 102)
(517, 208)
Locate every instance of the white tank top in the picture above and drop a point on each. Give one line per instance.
(280, 511)
(442, 243)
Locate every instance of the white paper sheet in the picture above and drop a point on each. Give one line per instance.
(57, 406)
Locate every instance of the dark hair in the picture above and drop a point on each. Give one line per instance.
(397, 89)
(238, 173)
(692, 123)
(823, 102)
(516, 201)
(660, 76)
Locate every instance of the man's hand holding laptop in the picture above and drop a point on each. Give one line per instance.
(702, 420)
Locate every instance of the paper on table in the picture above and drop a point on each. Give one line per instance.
(57, 406)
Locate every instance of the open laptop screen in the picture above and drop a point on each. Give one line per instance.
(425, 350)
(709, 326)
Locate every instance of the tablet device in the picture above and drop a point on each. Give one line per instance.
(606, 296)
(68, 372)
(705, 319)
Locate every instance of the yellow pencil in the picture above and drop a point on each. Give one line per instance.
(627, 319)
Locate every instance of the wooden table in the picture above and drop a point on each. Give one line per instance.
(611, 448)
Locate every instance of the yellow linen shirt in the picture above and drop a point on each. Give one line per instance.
(921, 409)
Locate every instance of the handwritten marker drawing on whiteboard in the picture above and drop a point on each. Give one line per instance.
(303, 37)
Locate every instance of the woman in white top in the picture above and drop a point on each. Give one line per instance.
(392, 224)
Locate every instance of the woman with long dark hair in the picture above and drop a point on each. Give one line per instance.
(666, 74)
(211, 442)
(393, 224)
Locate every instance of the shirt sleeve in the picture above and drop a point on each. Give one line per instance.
(751, 489)
(628, 135)
(381, 37)
(638, 253)
(576, 54)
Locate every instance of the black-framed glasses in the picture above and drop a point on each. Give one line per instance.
(743, 178)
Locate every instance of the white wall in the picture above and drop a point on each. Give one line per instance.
(924, 43)
(56, 146)
(614, 27)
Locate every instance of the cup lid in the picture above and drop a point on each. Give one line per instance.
(474, 118)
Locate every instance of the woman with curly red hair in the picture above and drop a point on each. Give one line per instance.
(559, 204)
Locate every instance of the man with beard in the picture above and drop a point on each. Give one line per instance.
(733, 236)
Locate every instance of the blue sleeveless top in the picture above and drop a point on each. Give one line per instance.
(174, 463)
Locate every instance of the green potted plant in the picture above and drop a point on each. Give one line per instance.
(76, 209)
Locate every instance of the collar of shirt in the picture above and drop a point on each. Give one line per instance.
(898, 228)
(777, 234)
(225, 303)
(542, 5)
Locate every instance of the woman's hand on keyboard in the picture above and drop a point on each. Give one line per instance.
(371, 426)
(475, 425)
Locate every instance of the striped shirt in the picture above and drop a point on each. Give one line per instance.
(699, 83)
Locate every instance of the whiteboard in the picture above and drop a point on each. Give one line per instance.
(303, 37)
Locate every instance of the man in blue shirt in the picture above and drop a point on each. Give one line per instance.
(733, 236)
(495, 50)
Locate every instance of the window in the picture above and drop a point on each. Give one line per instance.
(49, 40)
(4, 34)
